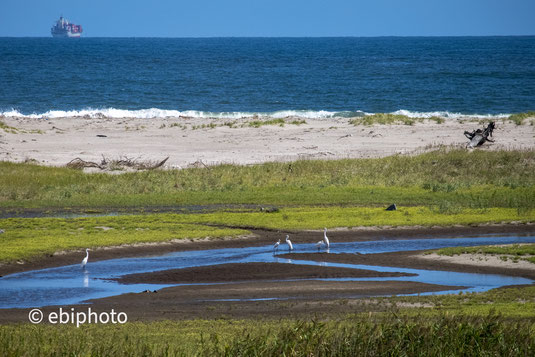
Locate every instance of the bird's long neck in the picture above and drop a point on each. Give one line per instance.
(87, 253)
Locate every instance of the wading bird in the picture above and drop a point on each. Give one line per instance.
(325, 239)
(276, 246)
(320, 244)
(289, 242)
(84, 262)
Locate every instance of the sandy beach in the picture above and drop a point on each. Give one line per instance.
(203, 141)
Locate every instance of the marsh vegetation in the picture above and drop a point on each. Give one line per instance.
(447, 178)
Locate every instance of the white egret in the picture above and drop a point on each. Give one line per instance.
(84, 262)
(276, 246)
(320, 244)
(289, 242)
(325, 239)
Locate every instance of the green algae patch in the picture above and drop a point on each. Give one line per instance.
(334, 217)
(29, 237)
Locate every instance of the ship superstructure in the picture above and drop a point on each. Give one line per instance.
(63, 28)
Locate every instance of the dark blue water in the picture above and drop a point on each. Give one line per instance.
(470, 75)
(72, 285)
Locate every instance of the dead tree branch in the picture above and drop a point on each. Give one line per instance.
(120, 164)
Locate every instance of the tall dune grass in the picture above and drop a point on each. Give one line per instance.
(518, 118)
(469, 179)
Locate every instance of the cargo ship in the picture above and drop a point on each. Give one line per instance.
(63, 28)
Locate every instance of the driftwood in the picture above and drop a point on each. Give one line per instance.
(120, 164)
(480, 136)
(198, 164)
(80, 164)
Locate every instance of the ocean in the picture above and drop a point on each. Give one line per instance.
(277, 77)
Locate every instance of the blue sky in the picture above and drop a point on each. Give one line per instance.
(221, 18)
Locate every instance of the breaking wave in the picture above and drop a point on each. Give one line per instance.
(165, 113)
(445, 114)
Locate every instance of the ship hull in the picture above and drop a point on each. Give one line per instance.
(66, 34)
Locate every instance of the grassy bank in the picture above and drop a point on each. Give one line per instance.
(476, 179)
(353, 336)
(331, 217)
(28, 237)
(31, 237)
(513, 252)
(510, 302)
(446, 325)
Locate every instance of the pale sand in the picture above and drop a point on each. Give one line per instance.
(56, 141)
(479, 260)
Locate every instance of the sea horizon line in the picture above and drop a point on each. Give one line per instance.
(280, 37)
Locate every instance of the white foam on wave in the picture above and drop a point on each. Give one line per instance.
(445, 114)
(166, 113)
(99, 113)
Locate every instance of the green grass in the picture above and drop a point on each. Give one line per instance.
(7, 128)
(389, 119)
(13, 130)
(164, 338)
(352, 336)
(520, 198)
(443, 187)
(204, 126)
(510, 302)
(259, 123)
(179, 125)
(444, 177)
(499, 322)
(279, 122)
(235, 124)
(29, 237)
(230, 124)
(331, 217)
(394, 337)
(519, 118)
(298, 122)
(513, 252)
